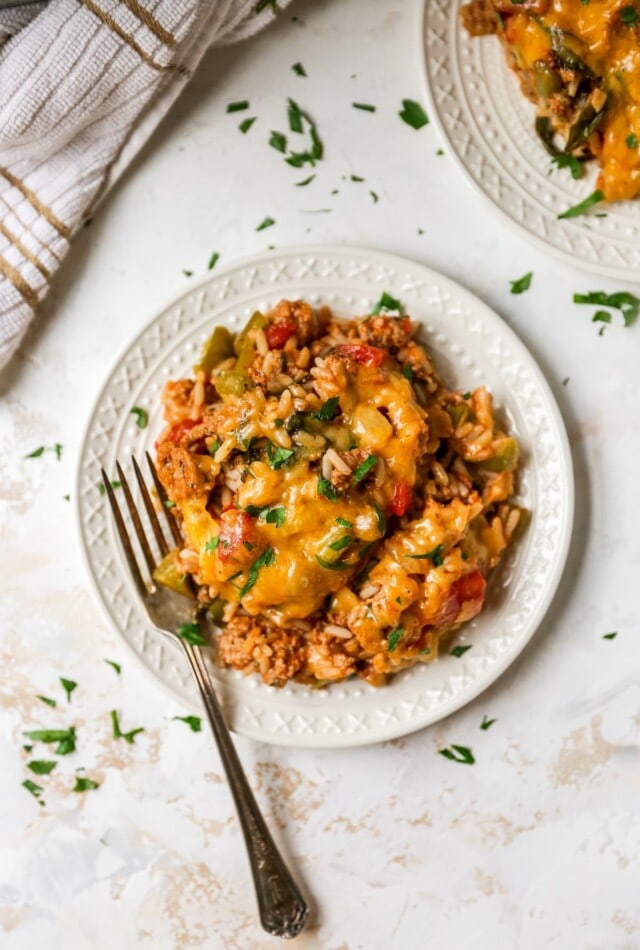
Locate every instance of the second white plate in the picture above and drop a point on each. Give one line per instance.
(488, 125)
(471, 346)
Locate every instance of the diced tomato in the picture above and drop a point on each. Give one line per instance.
(401, 501)
(361, 352)
(465, 599)
(278, 334)
(405, 323)
(178, 429)
(236, 528)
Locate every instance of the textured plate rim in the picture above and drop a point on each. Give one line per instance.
(617, 273)
(555, 572)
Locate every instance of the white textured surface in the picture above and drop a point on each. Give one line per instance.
(537, 844)
(472, 347)
(489, 127)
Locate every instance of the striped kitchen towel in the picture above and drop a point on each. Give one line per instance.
(83, 84)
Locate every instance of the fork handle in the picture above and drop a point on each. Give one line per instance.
(283, 910)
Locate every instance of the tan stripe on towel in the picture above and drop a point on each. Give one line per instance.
(33, 199)
(149, 20)
(24, 250)
(112, 24)
(19, 282)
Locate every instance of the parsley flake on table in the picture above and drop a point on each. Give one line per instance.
(610, 636)
(213, 260)
(265, 223)
(523, 283)
(116, 666)
(66, 738)
(56, 448)
(394, 639)
(191, 633)
(278, 141)
(265, 560)
(375, 197)
(142, 417)
(33, 788)
(298, 119)
(68, 686)
(487, 723)
(238, 106)
(194, 722)
(36, 453)
(388, 303)
(117, 731)
(461, 649)
(595, 198)
(114, 484)
(413, 114)
(299, 69)
(47, 700)
(624, 301)
(41, 766)
(458, 753)
(364, 106)
(356, 178)
(246, 124)
(305, 181)
(84, 784)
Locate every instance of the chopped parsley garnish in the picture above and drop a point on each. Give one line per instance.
(595, 198)
(326, 488)
(332, 565)
(114, 484)
(213, 260)
(276, 516)
(36, 790)
(341, 543)
(356, 178)
(389, 303)
(632, 140)
(187, 273)
(610, 636)
(265, 560)
(565, 381)
(119, 734)
(212, 544)
(394, 639)
(169, 504)
(487, 723)
(238, 106)
(191, 633)
(266, 223)
(194, 722)
(277, 456)
(435, 556)
(374, 195)
(458, 753)
(461, 649)
(305, 181)
(467, 395)
(116, 666)
(407, 372)
(364, 106)
(41, 766)
(382, 521)
(56, 447)
(215, 445)
(574, 164)
(47, 700)
(254, 511)
(297, 119)
(68, 686)
(246, 124)
(278, 141)
(523, 283)
(66, 738)
(298, 69)
(84, 784)
(364, 468)
(328, 410)
(413, 114)
(601, 316)
(344, 523)
(629, 15)
(627, 303)
(142, 417)
(36, 453)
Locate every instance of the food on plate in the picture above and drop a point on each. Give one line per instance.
(341, 508)
(579, 62)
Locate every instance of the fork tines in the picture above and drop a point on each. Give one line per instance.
(149, 558)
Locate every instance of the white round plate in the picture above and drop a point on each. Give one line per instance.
(488, 125)
(472, 346)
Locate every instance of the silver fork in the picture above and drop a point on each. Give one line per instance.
(283, 910)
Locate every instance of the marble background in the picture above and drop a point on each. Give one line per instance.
(533, 846)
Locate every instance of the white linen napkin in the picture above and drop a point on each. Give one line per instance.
(83, 84)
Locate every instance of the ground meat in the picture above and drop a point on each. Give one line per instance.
(353, 458)
(252, 644)
(179, 472)
(300, 313)
(389, 333)
(479, 17)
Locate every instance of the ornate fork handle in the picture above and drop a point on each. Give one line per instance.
(283, 910)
